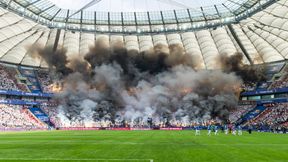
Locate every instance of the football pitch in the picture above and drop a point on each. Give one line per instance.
(141, 146)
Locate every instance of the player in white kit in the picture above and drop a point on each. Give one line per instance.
(209, 130)
(239, 128)
(197, 130)
(216, 130)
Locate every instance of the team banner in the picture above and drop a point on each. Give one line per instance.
(78, 128)
(180, 128)
(141, 129)
(22, 129)
(276, 100)
(118, 129)
(20, 93)
(262, 92)
(18, 102)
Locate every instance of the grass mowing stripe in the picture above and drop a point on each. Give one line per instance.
(55, 159)
(134, 143)
(161, 146)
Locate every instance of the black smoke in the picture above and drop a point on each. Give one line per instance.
(111, 85)
(249, 73)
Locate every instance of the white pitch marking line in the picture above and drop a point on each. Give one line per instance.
(55, 159)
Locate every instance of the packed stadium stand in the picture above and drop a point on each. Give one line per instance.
(256, 29)
(6, 82)
(18, 118)
(274, 114)
(240, 112)
(45, 81)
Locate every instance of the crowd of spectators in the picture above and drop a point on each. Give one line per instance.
(18, 117)
(273, 115)
(45, 81)
(239, 112)
(6, 82)
(248, 86)
(51, 109)
(280, 83)
(8, 79)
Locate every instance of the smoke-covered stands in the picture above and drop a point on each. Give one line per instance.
(112, 84)
(101, 118)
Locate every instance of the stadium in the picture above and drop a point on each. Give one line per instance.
(143, 81)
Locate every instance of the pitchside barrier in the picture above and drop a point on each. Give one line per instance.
(74, 159)
(95, 128)
(171, 128)
(79, 128)
(121, 129)
(21, 129)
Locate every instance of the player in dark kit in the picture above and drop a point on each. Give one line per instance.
(250, 128)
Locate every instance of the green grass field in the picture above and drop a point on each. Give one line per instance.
(141, 146)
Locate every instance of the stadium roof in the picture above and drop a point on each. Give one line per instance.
(261, 36)
(179, 17)
(135, 5)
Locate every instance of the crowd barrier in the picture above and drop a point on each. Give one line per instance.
(171, 128)
(21, 129)
(20, 93)
(78, 128)
(122, 129)
(263, 92)
(18, 102)
(141, 129)
(119, 129)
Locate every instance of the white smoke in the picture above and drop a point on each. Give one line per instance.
(117, 86)
(181, 95)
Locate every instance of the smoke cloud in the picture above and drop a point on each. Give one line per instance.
(249, 73)
(111, 85)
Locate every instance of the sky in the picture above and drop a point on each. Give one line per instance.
(136, 5)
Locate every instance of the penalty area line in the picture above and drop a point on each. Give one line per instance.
(71, 159)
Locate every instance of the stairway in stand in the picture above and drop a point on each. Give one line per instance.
(31, 79)
(41, 115)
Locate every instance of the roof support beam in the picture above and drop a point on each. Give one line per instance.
(234, 35)
(81, 22)
(177, 22)
(45, 10)
(163, 22)
(122, 22)
(203, 14)
(149, 21)
(8, 4)
(92, 3)
(95, 22)
(190, 17)
(55, 15)
(218, 13)
(241, 5)
(30, 4)
(228, 9)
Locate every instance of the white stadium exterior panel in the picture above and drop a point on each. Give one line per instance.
(263, 37)
(86, 41)
(145, 43)
(16, 54)
(192, 47)
(159, 39)
(208, 48)
(131, 43)
(40, 43)
(71, 43)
